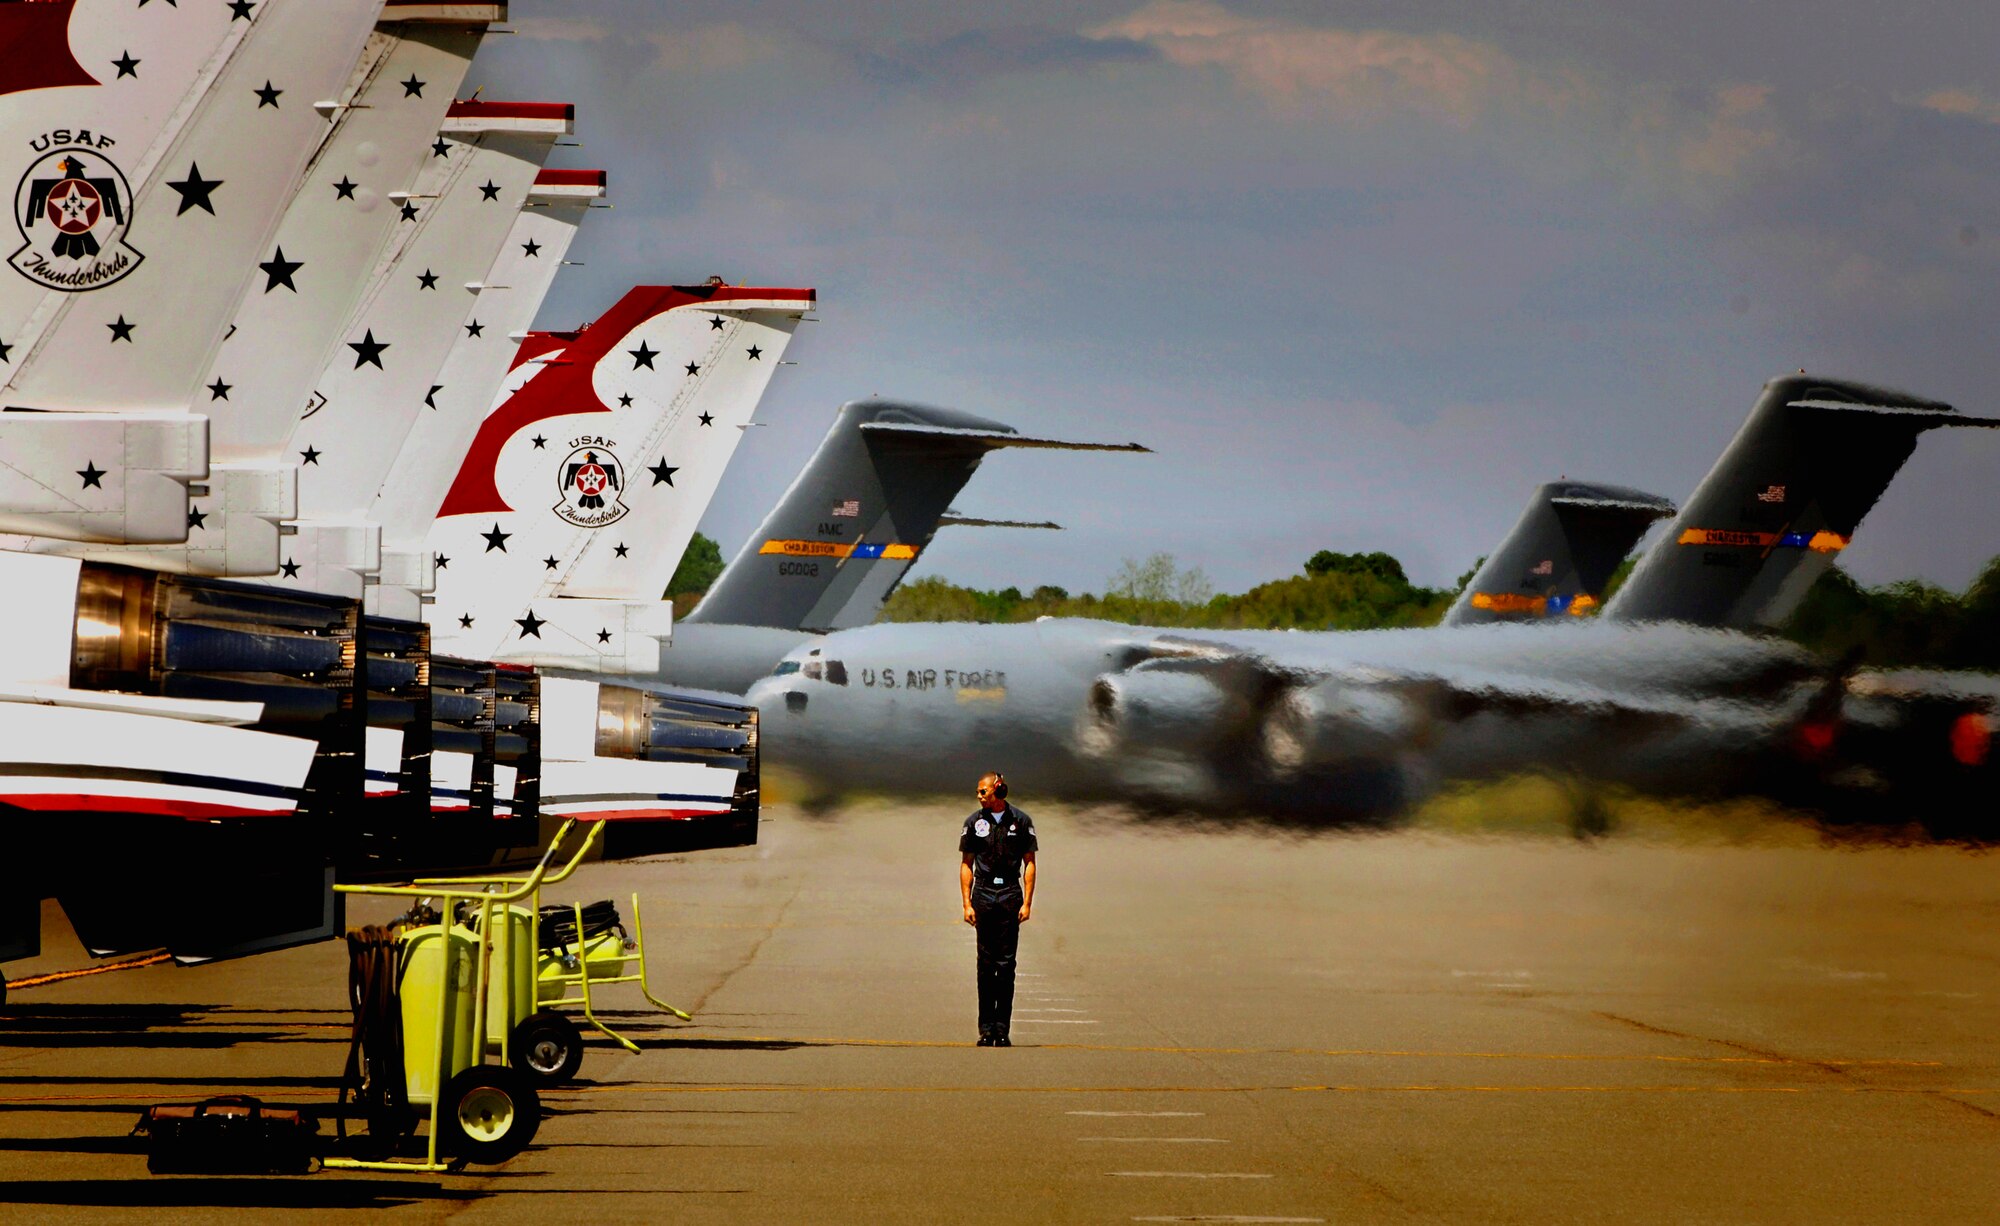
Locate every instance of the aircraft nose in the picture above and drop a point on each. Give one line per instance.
(773, 695)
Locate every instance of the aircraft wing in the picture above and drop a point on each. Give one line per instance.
(1257, 679)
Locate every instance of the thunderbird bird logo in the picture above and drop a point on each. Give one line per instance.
(590, 481)
(73, 207)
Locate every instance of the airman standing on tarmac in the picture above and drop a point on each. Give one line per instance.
(996, 885)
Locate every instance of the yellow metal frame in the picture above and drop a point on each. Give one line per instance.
(583, 980)
(448, 897)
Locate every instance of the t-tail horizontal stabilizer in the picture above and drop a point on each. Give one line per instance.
(968, 521)
(992, 440)
(1784, 498)
(865, 507)
(1560, 554)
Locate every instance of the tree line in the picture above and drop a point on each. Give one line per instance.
(1908, 623)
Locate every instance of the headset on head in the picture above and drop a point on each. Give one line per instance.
(999, 784)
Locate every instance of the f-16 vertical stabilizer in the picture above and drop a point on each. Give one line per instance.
(466, 385)
(202, 218)
(425, 301)
(1780, 504)
(291, 318)
(582, 487)
(1560, 554)
(143, 206)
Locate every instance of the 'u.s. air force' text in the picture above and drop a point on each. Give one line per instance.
(934, 679)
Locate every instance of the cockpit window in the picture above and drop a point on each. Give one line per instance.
(813, 670)
(836, 672)
(786, 668)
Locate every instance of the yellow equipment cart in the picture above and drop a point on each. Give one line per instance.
(428, 996)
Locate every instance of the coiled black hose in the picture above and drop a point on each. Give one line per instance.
(374, 1072)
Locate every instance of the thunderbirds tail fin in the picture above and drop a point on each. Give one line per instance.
(202, 218)
(144, 204)
(581, 489)
(326, 261)
(470, 381)
(108, 87)
(1560, 554)
(865, 506)
(320, 261)
(426, 300)
(1780, 503)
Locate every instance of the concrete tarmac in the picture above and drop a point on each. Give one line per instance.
(1214, 1024)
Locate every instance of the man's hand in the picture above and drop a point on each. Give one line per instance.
(1024, 913)
(971, 917)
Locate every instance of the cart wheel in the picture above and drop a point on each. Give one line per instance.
(490, 1114)
(547, 1048)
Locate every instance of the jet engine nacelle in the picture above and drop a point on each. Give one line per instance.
(1155, 713)
(663, 726)
(1336, 725)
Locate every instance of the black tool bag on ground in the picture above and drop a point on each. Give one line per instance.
(236, 1135)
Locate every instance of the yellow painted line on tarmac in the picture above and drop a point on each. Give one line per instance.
(1363, 1052)
(1271, 1089)
(1439, 1088)
(152, 1095)
(35, 981)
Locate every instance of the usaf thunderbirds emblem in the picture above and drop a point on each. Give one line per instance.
(590, 480)
(73, 208)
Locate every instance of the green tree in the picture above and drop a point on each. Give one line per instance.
(700, 566)
(1381, 565)
(1157, 580)
(1370, 592)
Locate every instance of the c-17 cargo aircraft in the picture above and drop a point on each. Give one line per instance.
(828, 556)
(1363, 723)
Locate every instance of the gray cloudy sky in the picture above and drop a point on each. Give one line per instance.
(1362, 273)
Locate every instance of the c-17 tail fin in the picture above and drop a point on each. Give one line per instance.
(1560, 554)
(866, 505)
(1780, 503)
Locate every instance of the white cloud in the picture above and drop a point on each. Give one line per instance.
(1683, 141)
(717, 47)
(561, 29)
(1962, 102)
(1355, 73)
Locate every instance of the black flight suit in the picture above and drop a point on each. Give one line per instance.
(997, 842)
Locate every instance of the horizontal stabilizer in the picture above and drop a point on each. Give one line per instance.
(1943, 415)
(987, 438)
(966, 521)
(1658, 508)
